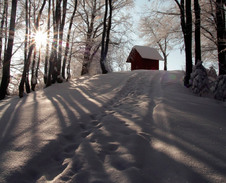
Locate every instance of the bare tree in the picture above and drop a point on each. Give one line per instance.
(213, 12)
(3, 22)
(160, 30)
(197, 31)
(25, 73)
(186, 26)
(68, 42)
(27, 62)
(8, 52)
(52, 73)
(91, 16)
(69, 59)
(47, 45)
(59, 16)
(208, 30)
(89, 11)
(221, 35)
(61, 29)
(106, 35)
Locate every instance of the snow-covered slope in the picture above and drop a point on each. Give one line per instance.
(128, 127)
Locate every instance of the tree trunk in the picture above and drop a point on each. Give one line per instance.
(89, 41)
(69, 63)
(47, 45)
(33, 79)
(165, 62)
(59, 79)
(5, 8)
(8, 52)
(28, 41)
(60, 26)
(52, 76)
(188, 43)
(186, 26)
(221, 35)
(106, 33)
(165, 55)
(86, 62)
(24, 77)
(68, 40)
(37, 67)
(6, 25)
(197, 32)
(104, 71)
(102, 59)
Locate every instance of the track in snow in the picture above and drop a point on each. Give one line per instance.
(140, 126)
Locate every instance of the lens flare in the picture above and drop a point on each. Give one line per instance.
(40, 38)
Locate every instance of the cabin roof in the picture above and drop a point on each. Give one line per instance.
(147, 52)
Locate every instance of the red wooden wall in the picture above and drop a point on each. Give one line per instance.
(137, 62)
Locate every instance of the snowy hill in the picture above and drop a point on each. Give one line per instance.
(128, 127)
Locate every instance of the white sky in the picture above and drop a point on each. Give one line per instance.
(176, 59)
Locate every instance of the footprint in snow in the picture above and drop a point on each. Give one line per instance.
(69, 137)
(119, 163)
(70, 148)
(76, 166)
(85, 134)
(58, 157)
(98, 181)
(82, 126)
(93, 116)
(112, 147)
(95, 122)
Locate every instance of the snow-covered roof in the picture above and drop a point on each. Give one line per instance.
(148, 52)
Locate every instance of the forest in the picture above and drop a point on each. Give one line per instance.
(47, 41)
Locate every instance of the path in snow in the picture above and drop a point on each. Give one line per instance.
(130, 127)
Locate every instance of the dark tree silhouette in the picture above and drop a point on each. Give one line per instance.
(68, 41)
(221, 35)
(29, 56)
(53, 74)
(89, 36)
(61, 29)
(3, 21)
(197, 31)
(8, 52)
(186, 25)
(24, 78)
(106, 36)
(47, 45)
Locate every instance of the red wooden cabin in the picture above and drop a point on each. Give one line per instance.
(144, 57)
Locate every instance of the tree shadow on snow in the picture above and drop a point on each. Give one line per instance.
(127, 139)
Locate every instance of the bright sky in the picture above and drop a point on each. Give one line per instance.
(176, 59)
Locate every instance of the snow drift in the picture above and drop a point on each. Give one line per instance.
(127, 127)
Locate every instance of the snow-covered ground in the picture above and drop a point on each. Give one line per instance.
(127, 127)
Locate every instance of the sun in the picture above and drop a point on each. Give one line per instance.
(40, 38)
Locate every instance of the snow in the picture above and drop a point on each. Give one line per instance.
(199, 80)
(206, 83)
(126, 127)
(220, 88)
(34, 80)
(148, 52)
